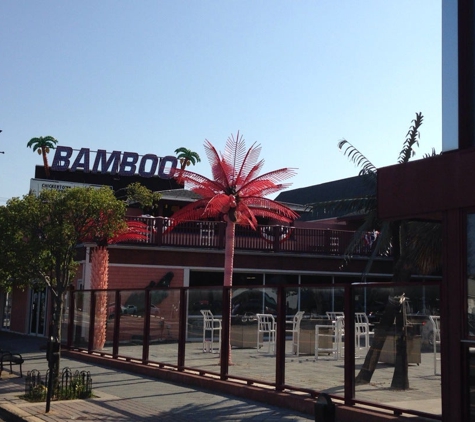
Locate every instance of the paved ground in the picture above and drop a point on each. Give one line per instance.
(123, 396)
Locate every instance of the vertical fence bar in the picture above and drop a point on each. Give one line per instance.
(182, 330)
(92, 320)
(146, 328)
(280, 340)
(349, 371)
(72, 304)
(225, 332)
(117, 315)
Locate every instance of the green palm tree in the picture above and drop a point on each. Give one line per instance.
(187, 157)
(416, 246)
(43, 145)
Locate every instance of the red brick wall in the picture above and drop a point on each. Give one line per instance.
(121, 277)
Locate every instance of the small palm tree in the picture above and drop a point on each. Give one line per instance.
(187, 157)
(236, 193)
(43, 145)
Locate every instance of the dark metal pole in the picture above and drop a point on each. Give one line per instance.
(349, 358)
(182, 330)
(225, 348)
(280, 340)
(146, 328)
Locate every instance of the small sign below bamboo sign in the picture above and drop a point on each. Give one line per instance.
(121, 163)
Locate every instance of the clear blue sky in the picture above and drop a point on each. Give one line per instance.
(152, 76)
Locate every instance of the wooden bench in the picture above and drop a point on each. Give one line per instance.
(11, 359)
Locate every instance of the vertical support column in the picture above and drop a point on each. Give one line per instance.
(72, 304)
(92, 321)
(146, 328)
(182, 330)
(117, 315)
(225, 349)
(349, 359)
(280, 340)
(453, 311)
(466, 73)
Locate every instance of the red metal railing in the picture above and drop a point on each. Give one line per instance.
(273, 238)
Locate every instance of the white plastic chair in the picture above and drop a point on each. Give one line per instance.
(266, 330)
(210, 325)
(435, 337)
(206, 234)
(332, 316)
(295, 330)
(333, 334)
(361, 331)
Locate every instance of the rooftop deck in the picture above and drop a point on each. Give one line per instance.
(271, 238)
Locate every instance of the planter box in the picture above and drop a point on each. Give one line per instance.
(244, 336)
(307, 340)
(413, 347)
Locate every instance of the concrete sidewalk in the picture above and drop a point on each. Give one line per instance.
(122, 396)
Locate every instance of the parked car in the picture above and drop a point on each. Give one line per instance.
(111, 310)
(154, 310)
(130, 310)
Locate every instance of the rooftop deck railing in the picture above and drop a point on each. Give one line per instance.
(271, 238)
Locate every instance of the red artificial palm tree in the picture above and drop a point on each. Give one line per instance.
(236, 193)
(132, 231)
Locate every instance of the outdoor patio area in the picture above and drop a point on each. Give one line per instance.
(315, 359)
(324, 374)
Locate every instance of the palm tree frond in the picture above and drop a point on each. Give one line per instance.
(219, 167)
(234, 155)
(350, 206)
(357, 157)
(250, 166)
(412, 138)
(431, 154)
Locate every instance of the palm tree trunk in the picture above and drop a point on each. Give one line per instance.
(228, 271)
(229, 253)
(380, 333)
(99, 280)
(45, 162)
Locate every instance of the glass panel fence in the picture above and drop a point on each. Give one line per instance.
(80, 330)
(100, 320)
(397, 346)
(131, 329)
(110, 321)
(204, 329)
(253, 333)
(314, 336)
(65, 319)
(396, 336)
(164, 325)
